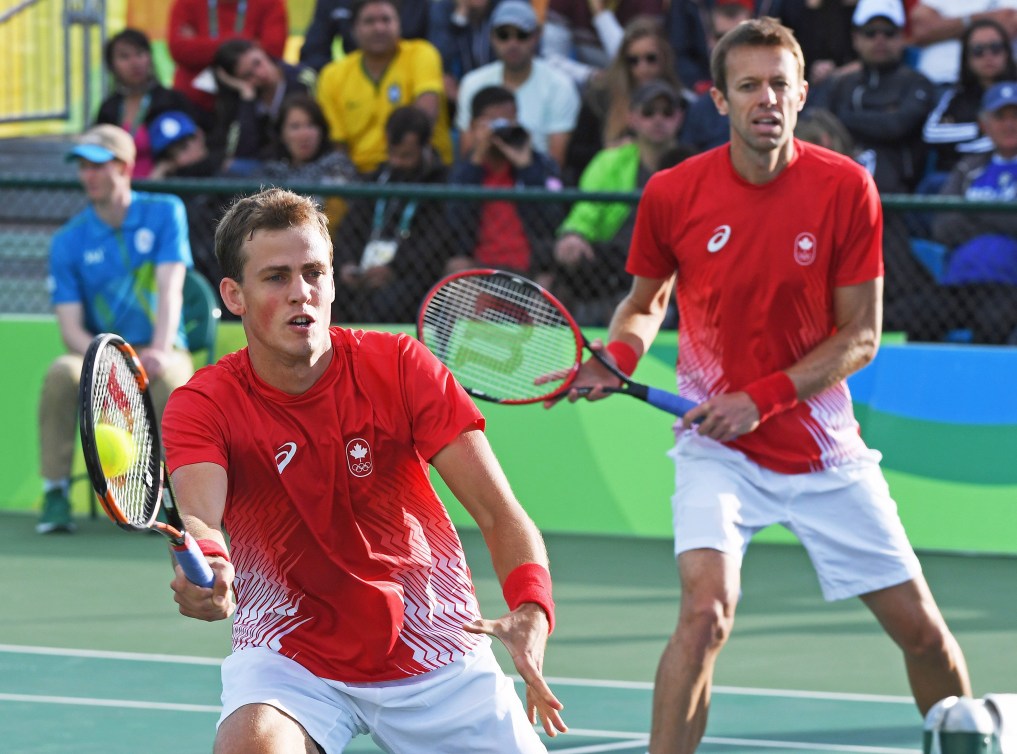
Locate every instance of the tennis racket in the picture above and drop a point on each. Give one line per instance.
(114, 399)
(498, 333)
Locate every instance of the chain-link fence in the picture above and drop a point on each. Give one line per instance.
(393, 242)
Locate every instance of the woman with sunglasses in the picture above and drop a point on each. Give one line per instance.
(952, 130)
(644, 55)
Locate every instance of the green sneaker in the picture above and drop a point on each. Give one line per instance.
(56, 513)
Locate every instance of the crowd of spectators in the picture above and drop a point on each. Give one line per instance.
(576, 93)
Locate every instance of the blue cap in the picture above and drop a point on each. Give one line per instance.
(517, 13)
(168, 128)
(999, 96)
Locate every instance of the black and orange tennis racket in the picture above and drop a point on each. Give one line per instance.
(116, 414)
(502, 335)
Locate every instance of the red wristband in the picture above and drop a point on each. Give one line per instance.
(625, 356)
(773, 394)
(530, 582)
(212, 549)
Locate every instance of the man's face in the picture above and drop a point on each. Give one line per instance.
(376, 30)
(764, 95)
(286, 294)
(513, 46)
(406, 157)
(131, 65)
(1001, 127)
(657, 121)
(879, 43)
(255, 67)
(101, 179)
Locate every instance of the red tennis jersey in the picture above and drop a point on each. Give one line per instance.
(346, 559)
(756, 270)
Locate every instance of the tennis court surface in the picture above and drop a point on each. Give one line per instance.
(94, 657)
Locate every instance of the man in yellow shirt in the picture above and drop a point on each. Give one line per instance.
(359, 92)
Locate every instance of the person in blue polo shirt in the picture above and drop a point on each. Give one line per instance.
(117, 266)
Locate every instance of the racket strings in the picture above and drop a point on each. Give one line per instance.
(117, 400)
(498, 334)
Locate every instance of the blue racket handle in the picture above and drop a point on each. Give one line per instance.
(192, 560)
(669, 402)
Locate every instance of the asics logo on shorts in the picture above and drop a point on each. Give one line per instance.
(284, 455)
(359, 457)
(719, 238)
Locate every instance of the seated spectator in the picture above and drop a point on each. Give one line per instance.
(705, 128)
(644, 55)
(390, 250)
(332, 21)
(461, 32)
(821, 127)
(181, 151)
(139, 96)
(693, 28)
(952, 130)
(591, 30)
(301, 147)
(823, 29)
(885, 104)
(548, 101)
(593, 242)
(359, 92)
(502, 234)
(251, 88)
(937, 26)
(198, 27)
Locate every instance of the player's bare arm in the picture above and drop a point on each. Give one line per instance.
(472, 472)
(201, 498)
(858, 316)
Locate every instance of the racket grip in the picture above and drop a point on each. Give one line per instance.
(192, 560)
(669, 402)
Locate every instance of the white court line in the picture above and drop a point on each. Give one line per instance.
(84, 701)
(768, 744)
(560, 680)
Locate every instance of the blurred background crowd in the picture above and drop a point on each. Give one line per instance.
(594, 95)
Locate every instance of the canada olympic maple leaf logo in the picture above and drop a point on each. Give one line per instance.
(359, 457)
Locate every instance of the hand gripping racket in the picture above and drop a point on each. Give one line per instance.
(498, 333)
(115, 402)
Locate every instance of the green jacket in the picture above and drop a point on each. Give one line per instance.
(614, 169)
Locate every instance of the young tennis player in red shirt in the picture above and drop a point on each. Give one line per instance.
(774, 247)
(355, 613)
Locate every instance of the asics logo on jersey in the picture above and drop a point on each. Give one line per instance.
(719, 238)
(284, 455)
(805, 249)
(359, 457)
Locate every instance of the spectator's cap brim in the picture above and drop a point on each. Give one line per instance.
(656, 89)
(515, 13)
(998, 96)
(866, 10)
(103, 143)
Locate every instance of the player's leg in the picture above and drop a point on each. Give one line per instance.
(58, 421)
(273, 705)
(262, 729)
(681, 695)
(467, 707)
(933, 658)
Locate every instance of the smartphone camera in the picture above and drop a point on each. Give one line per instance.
(511, 133)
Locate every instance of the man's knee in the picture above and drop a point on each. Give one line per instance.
(706, 622)
(262, 728)
(63, 374)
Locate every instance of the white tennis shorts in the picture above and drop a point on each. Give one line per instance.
(469, 705)
(844, 516)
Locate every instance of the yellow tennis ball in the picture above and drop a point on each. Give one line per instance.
(116, 449)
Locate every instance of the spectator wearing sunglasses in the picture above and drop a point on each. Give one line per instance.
(938, 26)
(952, 130)
(593, 242)
(548, 101)
(644, 55)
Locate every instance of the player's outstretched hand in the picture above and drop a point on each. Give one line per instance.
(524, 634)
(591, 377)
(215, 603)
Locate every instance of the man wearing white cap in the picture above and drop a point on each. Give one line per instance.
(117, 266)
(548, 101)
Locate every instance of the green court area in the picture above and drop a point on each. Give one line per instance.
(95, 658)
